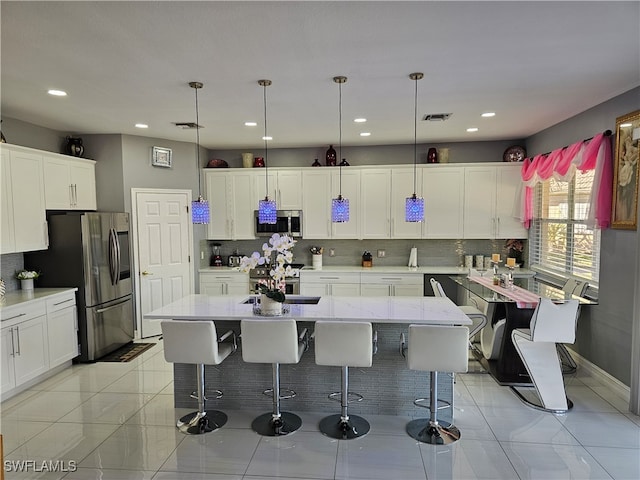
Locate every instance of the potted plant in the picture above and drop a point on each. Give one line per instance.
(26, 278)
(275, 254)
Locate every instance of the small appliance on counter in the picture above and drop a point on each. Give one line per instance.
(367, 259)
(216, 258)
(234, 259)
(413, 258)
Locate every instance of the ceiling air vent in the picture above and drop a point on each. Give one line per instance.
(437, 117)
(187, 125)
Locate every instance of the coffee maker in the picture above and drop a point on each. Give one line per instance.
(216, 258)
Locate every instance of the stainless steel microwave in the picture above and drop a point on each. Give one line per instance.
(288, 221)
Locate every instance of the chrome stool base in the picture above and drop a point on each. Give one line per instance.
(335, 427)
(440, 433)
(269, 426)
(196, 423)
(539, 406)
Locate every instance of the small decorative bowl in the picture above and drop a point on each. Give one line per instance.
(217, 163)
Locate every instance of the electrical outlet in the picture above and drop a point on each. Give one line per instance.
(381, 253)
(332, 252)
(201, 255)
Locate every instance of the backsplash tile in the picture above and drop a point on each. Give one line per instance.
(9, 263)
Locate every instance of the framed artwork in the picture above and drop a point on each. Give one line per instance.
(625, 172)
(161, 157)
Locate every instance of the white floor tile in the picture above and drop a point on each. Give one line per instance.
(109, 474)
(198, 476)
(620, 463)
(602, 429)
(551, 462)
(15, 433)
(135, 447)
(493, 395)
(88, 380)
(138, 381)
(225, 451)
(298, 455)
(46, 407)
(159, 411)
(472, 424)
(467, 459)
(586, 400)
(114, 408)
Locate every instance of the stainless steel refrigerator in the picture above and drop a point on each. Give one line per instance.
(91, 251)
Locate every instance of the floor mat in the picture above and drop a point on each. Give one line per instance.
(126, 353)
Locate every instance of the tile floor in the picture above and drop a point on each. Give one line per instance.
(116, 421)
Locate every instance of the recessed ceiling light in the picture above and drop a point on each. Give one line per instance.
(488, 114)
(250, 124)
(472, 129)
(141, 125)
(57, 93)
(267, 138)
(365, 134)
(359, 120)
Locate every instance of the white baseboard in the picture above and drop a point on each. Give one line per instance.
(619, 388)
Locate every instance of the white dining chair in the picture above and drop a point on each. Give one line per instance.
(578, 288)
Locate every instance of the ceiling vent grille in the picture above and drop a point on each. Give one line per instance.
(187, 125)
(437, 117)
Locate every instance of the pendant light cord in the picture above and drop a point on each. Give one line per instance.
(198, 144)
(266, 149)
(340, 137)
(415, 135)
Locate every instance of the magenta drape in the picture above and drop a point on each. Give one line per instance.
(561, 164)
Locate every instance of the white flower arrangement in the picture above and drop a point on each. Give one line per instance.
(27, 275)
(281, 246)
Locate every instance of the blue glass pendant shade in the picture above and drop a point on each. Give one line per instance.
(267, 211)
(414, 209)
(340, 209)
(200, 211)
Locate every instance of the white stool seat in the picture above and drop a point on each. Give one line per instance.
(196, 342)
(436, 348)
(491, 339)
(274, 341)
(551, 323)
(344, 344)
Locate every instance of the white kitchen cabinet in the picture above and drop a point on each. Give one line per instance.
(224, 283)
(62, 325)
(7, 354)
(316, 283)
(285, 187)
(231, 205)
(24, 210)
(401, 188)
(7, 233)
(71, 183)
(490, 195)
(443, 193)
(391, 285)
(375, 187)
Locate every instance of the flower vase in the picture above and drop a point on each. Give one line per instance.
(26, 284)
(269, 306)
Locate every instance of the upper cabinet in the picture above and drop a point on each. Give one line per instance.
(375, 201)
(71, 183)
(402, 186)
(489, 199)
(285, 187)
(231, 204)
(443, 193)
(23, 220)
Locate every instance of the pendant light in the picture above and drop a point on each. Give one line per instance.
(266, 208)
(414, 205)
(340, 205)
(199, 207)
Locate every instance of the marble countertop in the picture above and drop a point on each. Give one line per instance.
(404, 310)
(433, 270)
(21, 296)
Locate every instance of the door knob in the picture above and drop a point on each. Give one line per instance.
(146, 273)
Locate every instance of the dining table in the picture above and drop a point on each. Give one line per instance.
(516, 303)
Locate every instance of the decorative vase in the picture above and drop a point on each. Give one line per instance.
(330, 157)
(258, 162)
(26, 284)
(432, 155)
(268, 306)
(247, 160)
(443, 155)
(316, 163)
(74, 146)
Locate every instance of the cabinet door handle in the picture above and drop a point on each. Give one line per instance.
(15, 316)
(63, 301)
(13, 346)
(71, 195)
(75, 194)
(391, 278)
(18, 340)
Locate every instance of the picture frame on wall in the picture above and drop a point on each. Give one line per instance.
(624, 213)
(161, 157)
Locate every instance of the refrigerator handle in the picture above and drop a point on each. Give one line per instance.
(102, 310)
(116, 241)
(112, 256)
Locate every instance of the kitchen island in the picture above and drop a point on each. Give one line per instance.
(389, 387)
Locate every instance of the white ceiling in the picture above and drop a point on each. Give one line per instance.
(533, 63)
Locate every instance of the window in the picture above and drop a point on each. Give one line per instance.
(560, 242)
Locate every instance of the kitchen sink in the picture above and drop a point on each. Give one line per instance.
(292, 299)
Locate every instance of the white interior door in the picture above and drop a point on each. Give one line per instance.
(164, 246)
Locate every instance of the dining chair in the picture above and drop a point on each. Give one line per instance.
(550, 324)
(579, 288)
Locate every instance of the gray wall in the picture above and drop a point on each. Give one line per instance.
(604, 330)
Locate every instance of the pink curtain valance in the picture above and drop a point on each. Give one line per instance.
(561, 164)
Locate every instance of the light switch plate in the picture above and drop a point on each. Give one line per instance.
(381, 253)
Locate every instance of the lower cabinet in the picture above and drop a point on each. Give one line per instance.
(25, 352)
(399, 285)
(229, 283)
(340, 284)
(62, 321)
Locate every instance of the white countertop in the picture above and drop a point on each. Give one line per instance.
(419, 310)
(21, 296)
(433, 270)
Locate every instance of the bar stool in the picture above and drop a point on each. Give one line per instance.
(344, 344)
(274, 341)
(196, 342)
(551, 324)
(435, 348)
